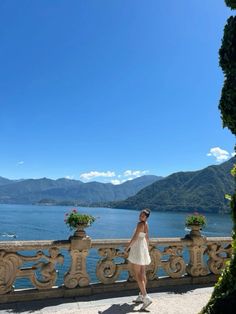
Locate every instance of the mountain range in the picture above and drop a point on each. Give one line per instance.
(201, 190)
(66, 191)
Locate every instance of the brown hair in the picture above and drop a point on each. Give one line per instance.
(146, 211)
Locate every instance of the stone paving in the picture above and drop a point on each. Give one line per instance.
(175, 300)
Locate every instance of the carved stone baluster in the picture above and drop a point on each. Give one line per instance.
(216, 261)
(175, 267)
(47, 270)
(152, 268)
(77, 275)
(107, 270)
(196, 244)
(9, 263)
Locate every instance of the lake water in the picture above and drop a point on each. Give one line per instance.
(31, 222)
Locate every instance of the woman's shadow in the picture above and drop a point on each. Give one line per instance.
(121, 309)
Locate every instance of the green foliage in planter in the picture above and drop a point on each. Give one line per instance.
(74, 218)
(195, 219)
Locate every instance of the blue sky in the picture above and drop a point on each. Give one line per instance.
(93, 89)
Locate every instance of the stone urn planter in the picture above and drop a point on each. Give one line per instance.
(195, 230)
(78, 221)
(195, 222)
(80, 231)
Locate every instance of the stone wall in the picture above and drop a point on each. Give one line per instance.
(193, 259)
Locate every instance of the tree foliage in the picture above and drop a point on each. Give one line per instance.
(227, 54)
(231, 3)
(223, 299)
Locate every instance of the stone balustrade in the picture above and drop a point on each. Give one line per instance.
(192, 259)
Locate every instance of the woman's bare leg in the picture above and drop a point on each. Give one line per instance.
(139, 278)
(144, 278)
(143, 272)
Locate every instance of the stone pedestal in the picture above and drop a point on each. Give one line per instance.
(196, 244)
(79, 248)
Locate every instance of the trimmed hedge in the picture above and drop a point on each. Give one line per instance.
(223, 299)
(231, 4)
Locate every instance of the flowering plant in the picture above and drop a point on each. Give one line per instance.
(195, 219)
(74, 218)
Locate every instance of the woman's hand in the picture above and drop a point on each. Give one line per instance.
(127, 249)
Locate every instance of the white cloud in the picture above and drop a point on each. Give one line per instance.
(233, 154)
(219, 154)
(127, 173)
(116, 181)
(20, 162)
(69, 177)
(94, 174)
(135, 173)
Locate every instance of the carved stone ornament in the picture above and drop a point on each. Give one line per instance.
(11, 268)
(218, 255)
(107, 270)
(166, 255)
(196, 244)
(47, 270)
(175, 266)
(77, 275)
(9, 262)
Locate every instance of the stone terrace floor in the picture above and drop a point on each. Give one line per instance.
(172, 300)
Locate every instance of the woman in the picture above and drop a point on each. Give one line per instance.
(139, 256)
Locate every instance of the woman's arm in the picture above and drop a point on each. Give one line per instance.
(134, 237)
(147, 235)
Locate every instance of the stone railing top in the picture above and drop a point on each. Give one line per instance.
(99, 243)
(33, 244)
(96, 243)
(219, 239)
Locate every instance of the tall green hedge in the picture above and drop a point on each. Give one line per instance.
(231, 3)
(227, 54)
(223, 299)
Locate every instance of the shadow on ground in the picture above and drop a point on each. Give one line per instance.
(122, 309)
(37, 305)
(32, 306)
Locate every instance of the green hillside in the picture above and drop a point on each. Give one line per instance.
(201, 190)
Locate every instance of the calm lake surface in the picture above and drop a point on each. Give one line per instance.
(31, 222)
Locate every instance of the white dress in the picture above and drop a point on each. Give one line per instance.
(139, 253)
